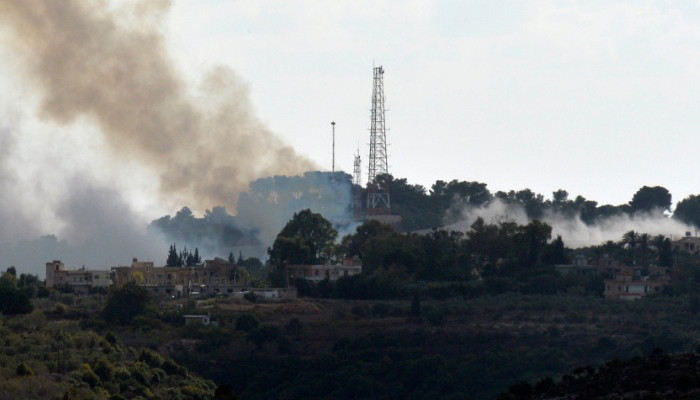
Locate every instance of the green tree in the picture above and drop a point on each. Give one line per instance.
(666, 254)
(126, 303)
(556, 252)
(173, 259)
(263, 334)
(688, 210)
(246, 323)
(631, 240)
(531, 240)
(316, 233)
(415, 304)
(307, 238)
(644, 243)
(13, 300)
(252, 264)
(649, 198)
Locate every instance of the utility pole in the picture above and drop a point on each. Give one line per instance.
(333, 163)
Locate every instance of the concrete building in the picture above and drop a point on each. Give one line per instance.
(80, 281)
(315, 273)
(212, 277)
(629, 283)
(579, 267)
(193, 319)
(688, 244)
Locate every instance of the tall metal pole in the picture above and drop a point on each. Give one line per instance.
(333, 165)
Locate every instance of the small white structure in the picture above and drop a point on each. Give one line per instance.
(191, 319)
(316, 273)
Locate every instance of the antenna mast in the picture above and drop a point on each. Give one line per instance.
(377, 189)
(333, 164)
(357, 186)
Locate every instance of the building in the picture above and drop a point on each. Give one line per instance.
(579, 267)
(316, 273)
(630, 283)
(80, 281)
(194, 319)
(212, 277)
(688, 244)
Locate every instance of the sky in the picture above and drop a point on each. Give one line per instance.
(596, 97)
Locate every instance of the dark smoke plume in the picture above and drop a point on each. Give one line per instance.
(92, 61)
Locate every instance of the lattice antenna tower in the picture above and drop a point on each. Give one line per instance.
(357, 170)
(357, 186)
(377, 193)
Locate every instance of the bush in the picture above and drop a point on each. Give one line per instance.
(294, 327)
(246, 322)
(110, 338)
(153, 359)
(126, 303)
(380, 310)
(263, 334)
(360, 310)
(251, 297)
(436, 317)
(104, 369)
(14, 300)
(89, 376)
(172, 368)
(24, 370)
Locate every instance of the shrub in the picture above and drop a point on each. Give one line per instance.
(14, 300)
(436, 317)
(380, 310)
(111, 338)
(153, 359)
(172, 368)
(294, 327)
(89, 376)
(246, 322)
(251, 297)
(360, 310)
(126, 303)
(104, 369)
(24, 370)
(263, 334)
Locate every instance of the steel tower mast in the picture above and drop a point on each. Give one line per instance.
(357, 186)
(378, 202)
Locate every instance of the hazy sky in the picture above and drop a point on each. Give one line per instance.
(596, 97)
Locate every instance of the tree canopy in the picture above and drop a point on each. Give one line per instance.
(306, 238)
(650, 198)
(688, 210)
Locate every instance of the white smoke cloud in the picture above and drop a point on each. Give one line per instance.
(572, 229)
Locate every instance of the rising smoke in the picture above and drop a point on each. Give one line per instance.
(263, 210)
(572, 229)
(89, 60)
(105, 66)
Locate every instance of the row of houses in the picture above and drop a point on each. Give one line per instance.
(626, 282)
(213, 277)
